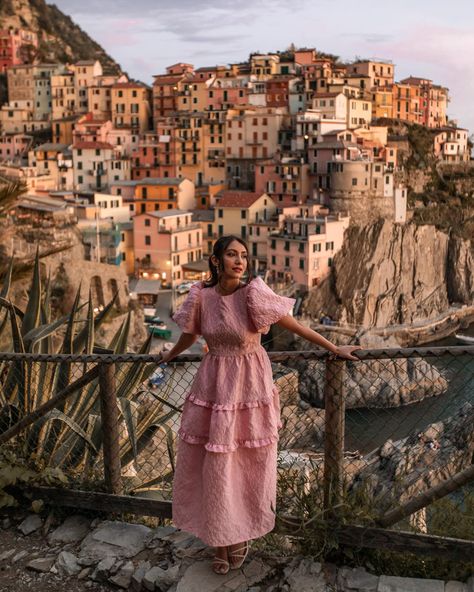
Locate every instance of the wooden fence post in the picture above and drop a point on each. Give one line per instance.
(334, 432)
(110, 428)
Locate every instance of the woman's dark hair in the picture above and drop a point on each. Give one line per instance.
(218, 251)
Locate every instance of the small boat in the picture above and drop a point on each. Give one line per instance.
(465, 338)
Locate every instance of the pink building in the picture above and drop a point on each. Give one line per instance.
(226, 92)
(14, 147)
(302, 250)
(163, 242)
(17, 46)
(156, 153)
(286, 180)
(451, 144)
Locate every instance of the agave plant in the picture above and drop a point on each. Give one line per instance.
(70, 435)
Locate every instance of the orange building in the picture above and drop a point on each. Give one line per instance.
(151, 195)
(433, 101)
(406, 102)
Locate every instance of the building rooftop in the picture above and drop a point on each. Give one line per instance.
(93, 146)
(164, 213)
(51, 147)
(237, 199)
(129, 85)
(164, 181)
(203, 215)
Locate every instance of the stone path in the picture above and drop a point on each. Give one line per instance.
(81, 555)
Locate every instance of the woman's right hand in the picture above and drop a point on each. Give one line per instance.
(165, 356)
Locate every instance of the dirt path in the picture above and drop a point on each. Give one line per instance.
(16, 577)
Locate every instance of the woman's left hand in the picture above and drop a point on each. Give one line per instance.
(345, 352)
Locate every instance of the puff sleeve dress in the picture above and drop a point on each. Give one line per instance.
(224, 488)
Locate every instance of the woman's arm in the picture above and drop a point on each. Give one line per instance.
(185, 340)
(344, 351)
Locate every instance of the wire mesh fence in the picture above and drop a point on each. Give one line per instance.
(362, 439)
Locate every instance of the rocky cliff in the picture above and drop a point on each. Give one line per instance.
(60, 39)
(401, 469)
(390, 274)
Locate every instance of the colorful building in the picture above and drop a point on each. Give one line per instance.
(131, 106)
(235, 210)
(163, 242)
(17, 47)
(152, 195)
(301, 250)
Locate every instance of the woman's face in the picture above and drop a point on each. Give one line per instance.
(235, 260)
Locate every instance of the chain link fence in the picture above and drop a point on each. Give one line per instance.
(363, 439)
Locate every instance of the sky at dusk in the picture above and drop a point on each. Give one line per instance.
(427, 38)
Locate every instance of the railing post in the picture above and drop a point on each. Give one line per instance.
(334, 405)
(110, 428)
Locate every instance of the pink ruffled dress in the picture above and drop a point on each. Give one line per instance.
(224, 488)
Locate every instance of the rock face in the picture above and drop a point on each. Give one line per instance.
(374, 383)
(400, 469)
(60, 39)
(460, 271)
(388, 274)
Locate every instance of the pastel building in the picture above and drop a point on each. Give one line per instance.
(380, 73)
(97, 164)
(30, 85)
(252, 133)
(382, 102)
(235, 210)
(338, 105)
(226, 92)
(152, 195)
(406, 103)
(55, 160)
(131, 106)
(17, 46)
(166, 88)
(101, 206)
(163, 242)
(286, 180)
(16, 119)
(85, 73)
(14, 148)
(264, 66)
(302, 249)
(451, 144)
(433, 101)
(63, 95)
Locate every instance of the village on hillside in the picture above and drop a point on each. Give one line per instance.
(285, 149)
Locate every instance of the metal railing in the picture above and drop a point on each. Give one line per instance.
(384, 441)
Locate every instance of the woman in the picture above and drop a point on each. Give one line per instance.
(224, 488)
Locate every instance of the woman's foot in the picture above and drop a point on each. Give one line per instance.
(220, 563)
(237, 554)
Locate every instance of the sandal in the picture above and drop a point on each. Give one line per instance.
(220, 566)
(237, 553)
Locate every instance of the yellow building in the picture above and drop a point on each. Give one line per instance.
(193, 93)
(85, 72)
(235, 210)
(63, 95)
(381, 73)
(382, 102)
(264, 66)
(131, 106)
(213, 146)
(406, 103)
